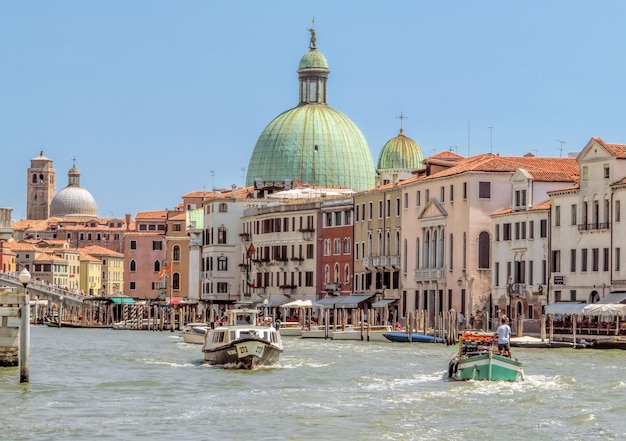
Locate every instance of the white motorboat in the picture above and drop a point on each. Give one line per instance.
(290, 329)
(240, 343)
(194, 333)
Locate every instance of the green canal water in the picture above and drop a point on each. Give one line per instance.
(133, 385)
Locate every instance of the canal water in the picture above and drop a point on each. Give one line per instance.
(88, 384)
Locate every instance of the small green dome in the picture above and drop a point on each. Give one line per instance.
(313, 144)
(400, 153)
(313, 60)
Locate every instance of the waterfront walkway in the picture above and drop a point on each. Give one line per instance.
(43, 290)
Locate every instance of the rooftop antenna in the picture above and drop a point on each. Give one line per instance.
(243, 177)
(452, 148)
(468, 138)
(535, 150)
(560, 141)
(212, 180)
(401, 117)
(490, 139)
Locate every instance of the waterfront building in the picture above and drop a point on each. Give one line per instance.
(145, 258)
(377, 226)
(447, 227)
(112, 283)
(177, 252)
(312, 143)
(586, 227)
(337, 237)
(90, 274)
(520, 241)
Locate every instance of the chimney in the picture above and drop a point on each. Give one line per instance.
(127, 216)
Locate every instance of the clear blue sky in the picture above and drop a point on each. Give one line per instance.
(159, 98)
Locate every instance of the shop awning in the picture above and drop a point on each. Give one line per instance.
(122, 300)
(565, 308)
(344, 301)
(614, 297)
(382, 303)
(604, 309)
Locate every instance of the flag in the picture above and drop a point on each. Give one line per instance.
(164, 271)
(250, 251)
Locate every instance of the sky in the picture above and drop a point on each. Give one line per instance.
(156, 99)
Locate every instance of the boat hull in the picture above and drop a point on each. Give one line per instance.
(243, 354)
(488, 366)
(403, 337)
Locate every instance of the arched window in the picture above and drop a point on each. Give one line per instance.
(397, 245)
(405, 247)
(451, 263)
(346, 274)
(176, 253)
(221, 234)
(337, 246)
(133, 266)
(327, 274)
(41, 179)
(336, 273)
(483, 250)
(34, 178)
(222, 263)
(426, 249)
(379, 249)
(327, 247)
(346, 245)
(369, 244)
(157, 266)
(388, 244)
(417, 253)
(176, 281)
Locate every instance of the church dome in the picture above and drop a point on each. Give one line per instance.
(312, 142)
(400, 153)
(73, 200)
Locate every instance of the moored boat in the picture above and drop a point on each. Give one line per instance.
(404, 337)
(194, 333)
(242, 344)
(478, 359)
(290, 329)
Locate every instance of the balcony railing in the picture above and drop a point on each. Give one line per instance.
(430, 274)
(593, 226)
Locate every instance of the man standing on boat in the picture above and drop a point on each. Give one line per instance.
(504, 337)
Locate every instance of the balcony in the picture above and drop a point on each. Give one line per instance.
(366, 263)
(259, 290)
(376, 262)
(516, 289)
(394, 261)
(332, 287)
(430, 275)
(245, 237)
(593, 226)
(288, 289)
(308, 233)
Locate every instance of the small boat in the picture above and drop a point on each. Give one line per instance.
(194, 333)
(371, 333)
(404, 337)
(478, 359)
(240, 343)
(290, 329)
(534, 342)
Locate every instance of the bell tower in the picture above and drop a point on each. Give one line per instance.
(40, 187)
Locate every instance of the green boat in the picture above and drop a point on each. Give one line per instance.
(478, 359)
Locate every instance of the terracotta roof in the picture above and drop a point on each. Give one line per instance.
(617, 150)
(85, 257)
(177, 216)
(545, 205)
(542, 169)
(97, 250)
(148, 215)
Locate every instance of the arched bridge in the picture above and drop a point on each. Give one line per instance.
(43, 291)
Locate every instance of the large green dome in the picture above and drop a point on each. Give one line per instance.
(312, 143)
(400, 153)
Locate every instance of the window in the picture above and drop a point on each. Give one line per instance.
(418, 198)
(557, 216)
(543, 228)
(607, 171)
(132, 266)
(583, 260)
(346, 245)
(573, 214)
(157, 245)
(308, 278)
(223, 208)
(346, 274)
(531, 229)
(484, 190)
(157, 266)
(388, 208)
(309, 253)
(617, 211)
(464, 190)
(572, 261)
(520, 198)
(585, 176)
(221, 235)
(176, 253)
(618, 255)
(497, 232)
(380, 209)
(397, 207)
(451, 193)
(595, 257)
(326, 247)
(176, 281)
(605, 261)
(442, 194)
(556, 261)
(506, 231)
(337, 246)
(371, 211)
(357, 213)
(427, 196)
(131, 286)
(406, 200)
(483, 250)
(133, 244)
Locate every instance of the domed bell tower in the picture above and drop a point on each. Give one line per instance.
(40, 187)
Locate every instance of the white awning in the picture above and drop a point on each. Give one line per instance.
(344, 301)
(605, 309)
